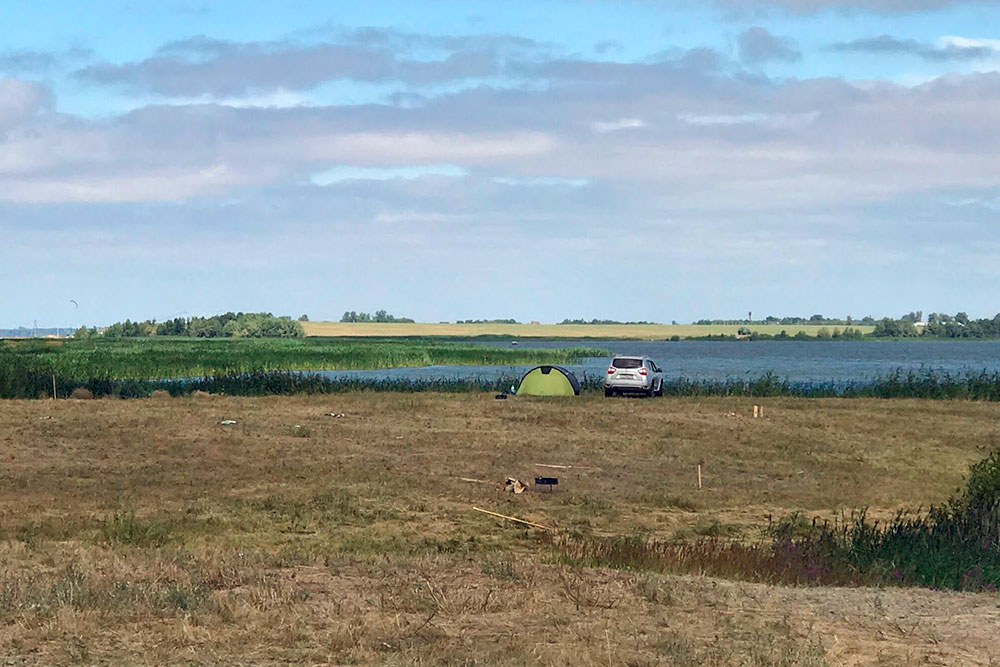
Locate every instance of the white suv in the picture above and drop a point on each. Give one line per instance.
(633, 374)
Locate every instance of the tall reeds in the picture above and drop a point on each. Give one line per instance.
(26, 365)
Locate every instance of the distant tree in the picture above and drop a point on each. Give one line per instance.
(890, 328)
(381, 316)
(206, 327)
(174, 327)
(126, 329)
(303, 318)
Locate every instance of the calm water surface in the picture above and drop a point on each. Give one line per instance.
(798, 361)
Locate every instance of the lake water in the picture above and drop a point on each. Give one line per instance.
(798, 361)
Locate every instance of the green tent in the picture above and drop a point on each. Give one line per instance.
(548, 381)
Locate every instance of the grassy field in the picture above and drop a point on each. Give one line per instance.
(610, 331)
(144, 532)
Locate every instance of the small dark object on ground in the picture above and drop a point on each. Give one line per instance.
(547, 482)
(81, 393)
(501, 397)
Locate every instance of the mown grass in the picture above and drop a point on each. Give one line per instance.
(146, 532)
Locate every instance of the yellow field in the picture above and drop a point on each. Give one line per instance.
(619, 331)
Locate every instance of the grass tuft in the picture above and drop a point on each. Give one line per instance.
(123, 528)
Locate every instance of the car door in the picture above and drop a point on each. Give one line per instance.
(657, 374)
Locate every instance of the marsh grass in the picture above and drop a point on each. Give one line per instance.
(954, 546)
(83, 361)
(27, 371)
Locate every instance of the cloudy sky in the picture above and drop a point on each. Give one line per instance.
(636, 159)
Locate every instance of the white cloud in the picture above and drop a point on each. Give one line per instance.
(399, 148)
(351, 173)
(616, 125)
(19, 100)
(278, 99)
(768, 119)
(969, 42)
(542, 181)
(150, 186)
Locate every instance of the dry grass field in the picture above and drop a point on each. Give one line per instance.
(145, 532)
(609, 331)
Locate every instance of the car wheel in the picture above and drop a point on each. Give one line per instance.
(651, 390)
(659, 391)
(608, 393)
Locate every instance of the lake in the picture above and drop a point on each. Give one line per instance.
(799, 361)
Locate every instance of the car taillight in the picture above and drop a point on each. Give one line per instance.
(642, 372)
(611, 370)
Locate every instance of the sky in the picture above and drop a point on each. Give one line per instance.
(634, 160)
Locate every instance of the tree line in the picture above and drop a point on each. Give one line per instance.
(380, 316)
(848, 321)
(596, 321)
(227, 325)
(938, 325)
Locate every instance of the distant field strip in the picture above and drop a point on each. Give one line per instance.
(617, 331)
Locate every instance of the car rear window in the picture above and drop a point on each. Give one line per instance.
(627, 363)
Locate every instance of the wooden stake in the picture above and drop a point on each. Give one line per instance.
(511, 518)
(755, 410)
(699, 474)
(53, 387)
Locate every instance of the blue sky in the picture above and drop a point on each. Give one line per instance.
(652, 159)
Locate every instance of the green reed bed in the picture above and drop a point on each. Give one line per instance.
(135, 367)
(981, 386)
(954, 546)
(157, 358)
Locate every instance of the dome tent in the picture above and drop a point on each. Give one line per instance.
(548, 381)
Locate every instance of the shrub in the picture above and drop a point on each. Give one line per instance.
(81, 393)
